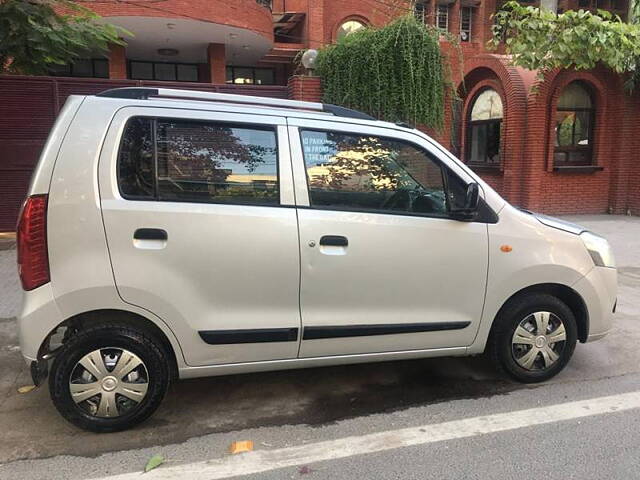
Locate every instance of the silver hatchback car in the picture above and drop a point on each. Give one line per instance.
(175, 234)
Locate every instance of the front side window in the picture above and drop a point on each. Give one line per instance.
(198, 161)
(483, 129)
(574, 127)
(367, 173)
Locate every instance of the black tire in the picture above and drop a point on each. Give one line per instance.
(109, 335)
(500, 346)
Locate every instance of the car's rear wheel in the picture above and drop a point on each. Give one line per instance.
(108, 378)
(533, 337)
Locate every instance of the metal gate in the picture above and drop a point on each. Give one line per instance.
(28, 108)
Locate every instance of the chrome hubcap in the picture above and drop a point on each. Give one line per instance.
(109, 382)
(538, 341)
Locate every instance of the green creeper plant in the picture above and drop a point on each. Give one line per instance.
(34, 34)
(395, 73)
(634, 11)
(539, 39)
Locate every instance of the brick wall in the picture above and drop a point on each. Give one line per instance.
(305, 88)
(238, 13)
(369, 12)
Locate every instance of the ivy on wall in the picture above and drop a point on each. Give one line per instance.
(634, 11)
(394, 73)
(539, 39)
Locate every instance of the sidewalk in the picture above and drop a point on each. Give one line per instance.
(10, 291)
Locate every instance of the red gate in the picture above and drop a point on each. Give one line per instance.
(28, 108)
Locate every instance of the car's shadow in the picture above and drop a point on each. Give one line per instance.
(306, 397)
(318, 396)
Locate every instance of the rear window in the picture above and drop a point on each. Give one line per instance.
(179, 160)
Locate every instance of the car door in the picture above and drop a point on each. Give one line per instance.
(201, 229)
(383, 266)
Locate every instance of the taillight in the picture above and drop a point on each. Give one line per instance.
(33, 259)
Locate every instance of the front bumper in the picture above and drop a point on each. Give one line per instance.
(599, 289)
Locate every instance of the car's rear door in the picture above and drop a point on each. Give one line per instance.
(200, 227)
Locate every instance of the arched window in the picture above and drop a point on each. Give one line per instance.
(349, 27)
(483, 129)
(574, 127)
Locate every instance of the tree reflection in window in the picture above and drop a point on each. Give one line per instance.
(204, 161)
(574, 127)
(362, 172)
(484, 128)
(182, 160)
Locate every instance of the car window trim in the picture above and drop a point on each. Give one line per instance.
(443, 169)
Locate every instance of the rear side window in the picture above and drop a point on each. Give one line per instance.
(136, 162)
(362, 172)
(197, 161)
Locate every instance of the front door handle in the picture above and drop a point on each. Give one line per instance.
(150, 234)
(334, 241)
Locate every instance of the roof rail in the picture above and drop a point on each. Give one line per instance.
(144, 93)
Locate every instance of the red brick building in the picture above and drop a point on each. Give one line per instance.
(562, 144)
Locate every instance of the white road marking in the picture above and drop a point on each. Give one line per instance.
(266, 460)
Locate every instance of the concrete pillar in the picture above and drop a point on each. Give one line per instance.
(551, 5)
(217, 62)
(117, 62)
(308, 89)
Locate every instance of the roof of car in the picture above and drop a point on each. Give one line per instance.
(144, 93)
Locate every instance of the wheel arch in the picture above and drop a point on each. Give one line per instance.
(132, 319)
(566, 294)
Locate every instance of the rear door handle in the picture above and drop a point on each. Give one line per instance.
(150, 234)
(334, 241)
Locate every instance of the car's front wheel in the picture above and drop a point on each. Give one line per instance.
(534, 337)
(108, 378)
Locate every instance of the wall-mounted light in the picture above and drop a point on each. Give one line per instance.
(171, 26)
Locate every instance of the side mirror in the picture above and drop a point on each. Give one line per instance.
(469, 209)
(472, 197)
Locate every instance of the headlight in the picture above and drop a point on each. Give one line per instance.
(599, 249)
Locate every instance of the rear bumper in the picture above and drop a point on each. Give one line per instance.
(599, 289)
(38, 317)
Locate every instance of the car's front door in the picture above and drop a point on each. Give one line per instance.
(197, 233)
(383, 266)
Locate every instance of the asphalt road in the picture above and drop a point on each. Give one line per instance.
(313, 411)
